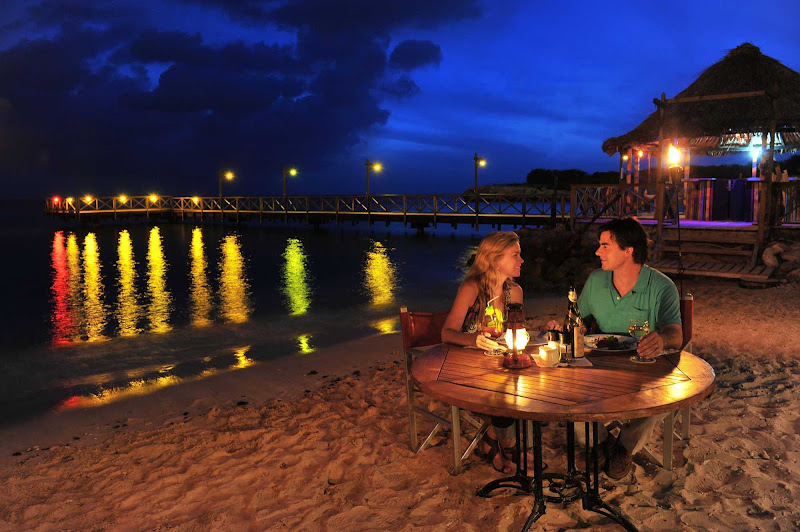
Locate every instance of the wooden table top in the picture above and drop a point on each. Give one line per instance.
(613, 388)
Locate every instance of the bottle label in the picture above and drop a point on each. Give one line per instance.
(577, 341)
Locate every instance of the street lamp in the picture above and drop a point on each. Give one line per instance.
(292, 172)
(479, 161)
(371, 166)
(227, 175)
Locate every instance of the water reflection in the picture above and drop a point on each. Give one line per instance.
(93, 306)
(61, 317)
(199, 290)
(385, 325)
(160, 299)
(233, 285)
(75, 297)
(127, 310)
(304, 344)
(295, 277)
(242, 360)
(379, 275)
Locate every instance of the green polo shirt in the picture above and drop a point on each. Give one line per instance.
(654, 297)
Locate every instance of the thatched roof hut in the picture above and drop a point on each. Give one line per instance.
(721, 126)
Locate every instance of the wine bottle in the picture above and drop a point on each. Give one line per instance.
(573, 333)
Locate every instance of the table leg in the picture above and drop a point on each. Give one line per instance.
(539, 507)
(520, 480)
(591, 497)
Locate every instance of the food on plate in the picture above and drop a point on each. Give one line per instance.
(611, 343)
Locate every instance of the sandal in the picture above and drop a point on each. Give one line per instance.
(492, 453)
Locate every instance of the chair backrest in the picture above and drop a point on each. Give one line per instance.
(687, 319)
(421, 328)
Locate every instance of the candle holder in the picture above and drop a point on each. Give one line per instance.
(516, 339)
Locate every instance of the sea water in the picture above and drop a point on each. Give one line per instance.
(93, 313)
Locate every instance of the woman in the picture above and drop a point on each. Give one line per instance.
(497, 261)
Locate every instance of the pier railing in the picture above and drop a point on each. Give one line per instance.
(531, 207)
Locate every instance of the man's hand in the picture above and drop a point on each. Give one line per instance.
(651, 346)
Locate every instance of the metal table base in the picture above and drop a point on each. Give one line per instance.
(567, 487)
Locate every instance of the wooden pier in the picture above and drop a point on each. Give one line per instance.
(693, 247)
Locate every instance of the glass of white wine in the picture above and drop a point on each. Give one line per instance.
(639, 328)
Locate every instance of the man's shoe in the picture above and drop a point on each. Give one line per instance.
(620, 462)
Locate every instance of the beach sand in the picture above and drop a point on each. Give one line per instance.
(320, 443)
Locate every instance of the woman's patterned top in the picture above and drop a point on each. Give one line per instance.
(474, 317)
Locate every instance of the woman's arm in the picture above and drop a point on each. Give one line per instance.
(451, 332)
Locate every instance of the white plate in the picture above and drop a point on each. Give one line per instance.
(590, 341)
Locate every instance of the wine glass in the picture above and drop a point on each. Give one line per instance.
(492, 323)
(639, 328)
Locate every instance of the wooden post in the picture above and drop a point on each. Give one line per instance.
(573, 205)
(659, 181)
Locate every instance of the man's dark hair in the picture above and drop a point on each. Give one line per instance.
(628, 233)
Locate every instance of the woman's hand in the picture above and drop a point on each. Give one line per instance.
(485, 342)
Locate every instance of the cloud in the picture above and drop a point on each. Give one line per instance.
(102, 95)
(411, 54)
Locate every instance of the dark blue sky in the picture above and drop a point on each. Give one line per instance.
(106, 97)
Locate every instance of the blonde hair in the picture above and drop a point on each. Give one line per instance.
(483, 271)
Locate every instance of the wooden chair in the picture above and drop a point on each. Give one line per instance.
(670, 432)
(421, 329)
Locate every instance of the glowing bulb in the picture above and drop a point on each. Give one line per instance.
(292, 171)
(377, 167)
(87, 199)
(624, 157)
(755, 153)
(673, 155)
(123, 198)
(521, 340)
(153, 198)
(229, 176)
(56, 199)
(481, 162)
(640, 154)
(196, 200)
(70, 200)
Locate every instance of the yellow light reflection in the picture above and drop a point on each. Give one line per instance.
(386, 325)
(379, 275)
(127, 312)
(93, 306)
(304, 344)
(295, 278)
(160, 299)
(233, 285)
(75, 301)
(199, 291)
(242, 361)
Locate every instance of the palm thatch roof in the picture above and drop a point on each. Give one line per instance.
(717, 127)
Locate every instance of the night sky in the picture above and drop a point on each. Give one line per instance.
(140, 96)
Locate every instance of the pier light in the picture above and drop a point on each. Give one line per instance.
(153, 198)
(87, 198)
(56, 200)
(229, 175)
(70, 200)
(673, 155)
(624, 157)
(640, 154)
(195, 199)
(123, 198)
(290, 171)
(372, 166)
(755, 153)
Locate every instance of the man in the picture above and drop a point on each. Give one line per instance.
(623, 289)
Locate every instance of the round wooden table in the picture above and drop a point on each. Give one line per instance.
(613, 388)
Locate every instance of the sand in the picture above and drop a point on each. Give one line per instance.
(276, 446)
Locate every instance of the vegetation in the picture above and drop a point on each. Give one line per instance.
(564, 178)
(556, 258)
